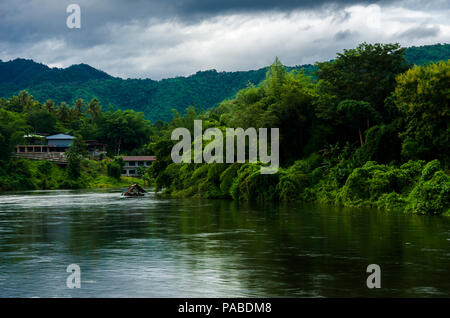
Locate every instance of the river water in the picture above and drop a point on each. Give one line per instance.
(153, 247)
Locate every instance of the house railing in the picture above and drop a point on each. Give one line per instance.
(57, 157)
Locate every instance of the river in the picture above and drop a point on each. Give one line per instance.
(156, 247)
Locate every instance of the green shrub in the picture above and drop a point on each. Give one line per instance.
(362, 184)
(430, 169)
(291, 186)
(114, 170)
(251, 185)
(227, 177)
(431, 195)
(391, 201)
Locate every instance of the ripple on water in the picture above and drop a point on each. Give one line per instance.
(147, 247)
(426, 291)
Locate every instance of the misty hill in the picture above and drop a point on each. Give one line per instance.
(28, 72)
(155, 98)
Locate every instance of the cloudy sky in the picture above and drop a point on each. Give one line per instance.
(166, 38)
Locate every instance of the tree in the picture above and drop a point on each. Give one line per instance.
(22, 102)
(74, 155)
(423, 97)
(50, 106)
(42, 121)
(123, 130)
(285, 101)
(162, 150)
(115, 168)
(63, 113)
(78, 106)
(141, 171)
(12, 129)
(94, 109)
(366, 73)
(275, 78)
(358, 113)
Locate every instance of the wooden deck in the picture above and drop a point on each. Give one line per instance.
(56, 157)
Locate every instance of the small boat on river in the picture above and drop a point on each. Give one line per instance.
(134, 190)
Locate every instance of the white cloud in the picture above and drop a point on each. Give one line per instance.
(238, 41)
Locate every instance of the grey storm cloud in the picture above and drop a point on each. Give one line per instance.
(165, 38)
(26, 20)
(342, 35)
(196, 7)
(421, 31)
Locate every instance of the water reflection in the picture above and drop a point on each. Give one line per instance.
(151, 247)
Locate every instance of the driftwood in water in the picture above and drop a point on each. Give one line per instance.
(134, 190)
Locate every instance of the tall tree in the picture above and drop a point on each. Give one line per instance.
(50, 106)
(22, 102)
(94, 109)
(366, 73)
(79, 107)
(42, 121)
(74, 155)
(423, 97)
(63, 113)
(12, 129)
(123, 130)
(359, 114)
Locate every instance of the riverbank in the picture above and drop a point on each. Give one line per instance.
(376, 139)
(24, 174)
(416, 186)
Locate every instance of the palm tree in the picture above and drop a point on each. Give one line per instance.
(64, 113)
(78, 107)
(50, 106)
(94, 108)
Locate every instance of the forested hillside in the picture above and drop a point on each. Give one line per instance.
(373, 138)
(155, 98)
(377, 138)
(420, 55)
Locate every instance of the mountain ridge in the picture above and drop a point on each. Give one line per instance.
(156, 99)
(15, 68)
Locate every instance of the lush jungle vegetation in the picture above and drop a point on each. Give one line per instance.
(370, 130)
(367, 129)
(155, 99)
(125, 132)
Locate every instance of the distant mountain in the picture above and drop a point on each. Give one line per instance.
(155, 98)
(420, 55)
(27, 72)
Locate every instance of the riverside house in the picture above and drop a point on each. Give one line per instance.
(39, 147)
(53, 148)
(96, 149)
(133, 163)
(61, 142)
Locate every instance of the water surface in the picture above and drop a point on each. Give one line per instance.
(152, 247)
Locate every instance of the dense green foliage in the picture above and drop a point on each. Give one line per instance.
(23, 174)
(12, 127)
(125, 132)
(420, 55)
(156, 99)
(115, 168)
(365, 130)
(345, 136)
(422, 95)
